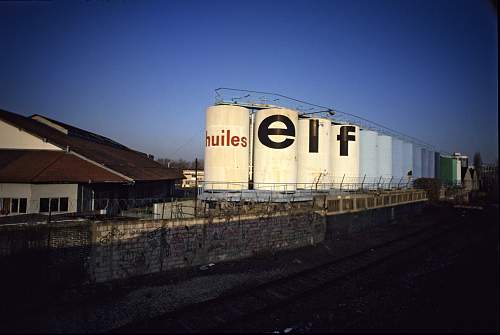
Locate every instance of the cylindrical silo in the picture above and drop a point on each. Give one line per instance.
(431, 164)
(275, 149)
(226, 148)
(417, 162)
(313, 153)
(344, 141)
(384, 159)
(437, 165)
(407, 160)
(397, 161)
(425, 163)
(368, 157)
(458, 166)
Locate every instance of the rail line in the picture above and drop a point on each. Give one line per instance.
(231, 309)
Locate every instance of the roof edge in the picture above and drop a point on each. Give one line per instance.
(44, 120)
(101, 166)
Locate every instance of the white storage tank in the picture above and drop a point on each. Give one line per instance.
(432, 173)
(407, 159)
(345, 155)
(417, 161)
(384, 159)
(437, 165)
(226, 148)
(368, 157)
(275, 149)
(313, 153)
(397, 161)
(425, 163)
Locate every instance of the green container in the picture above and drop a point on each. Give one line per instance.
(448, 171)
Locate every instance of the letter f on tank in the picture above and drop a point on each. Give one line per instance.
(344, 139)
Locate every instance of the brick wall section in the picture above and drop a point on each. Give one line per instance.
(123, 249)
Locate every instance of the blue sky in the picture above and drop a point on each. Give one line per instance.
(143, 72)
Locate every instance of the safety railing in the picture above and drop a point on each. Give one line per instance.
(338, 184)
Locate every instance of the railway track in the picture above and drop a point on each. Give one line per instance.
(226, 311)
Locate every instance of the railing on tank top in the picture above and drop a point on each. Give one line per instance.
(339, 183)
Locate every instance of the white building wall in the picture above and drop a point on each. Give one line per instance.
(15, 190)
(8, 190)
(54, 191)
(14, 138)
(33, 193)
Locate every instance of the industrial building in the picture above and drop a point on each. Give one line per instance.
(275, 148)
(192, 177)
(49, 166)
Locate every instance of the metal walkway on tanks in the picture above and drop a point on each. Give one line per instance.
(274, 196)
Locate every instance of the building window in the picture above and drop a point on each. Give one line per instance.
(4, 206)
(44, 205)
(63, 204)
(23, 205)
(14, 205)
(54, 204)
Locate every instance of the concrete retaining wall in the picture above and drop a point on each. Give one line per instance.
(98, 251)
(125, 249)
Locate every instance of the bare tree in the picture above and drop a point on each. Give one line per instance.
(180, 163)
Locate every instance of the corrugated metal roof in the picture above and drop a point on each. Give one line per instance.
(133, 164)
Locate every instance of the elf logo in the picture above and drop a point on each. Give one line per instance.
(344, 139)
(264, 132)
(225, 139)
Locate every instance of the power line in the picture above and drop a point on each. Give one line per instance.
(247, 99)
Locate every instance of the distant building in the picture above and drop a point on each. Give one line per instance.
(489, 168)
(464, 160)
(470, 179)
(48, 166)
(190, 179)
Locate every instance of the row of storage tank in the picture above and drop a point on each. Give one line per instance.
(277, 149)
